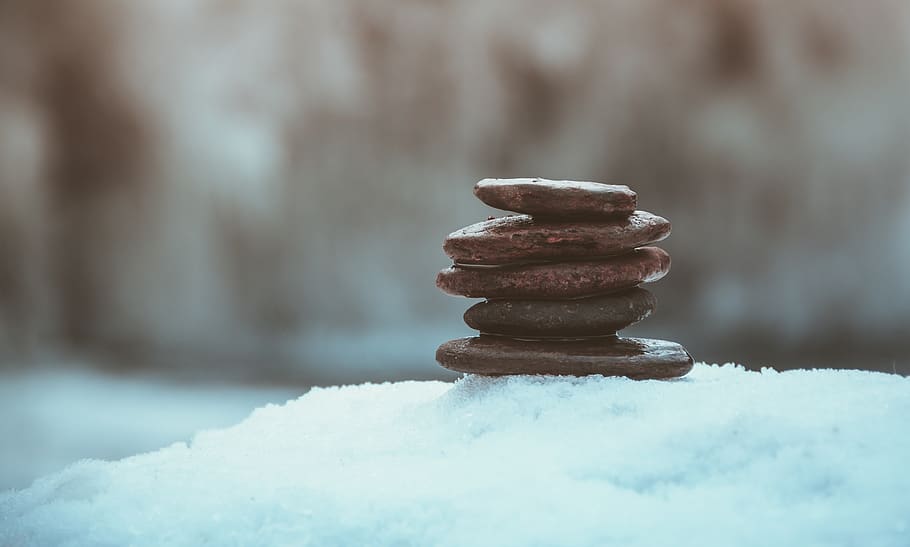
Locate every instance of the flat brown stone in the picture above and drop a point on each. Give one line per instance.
(595, 316)
(637, 358)
(557, 198)
(557, 279)
(522, 238)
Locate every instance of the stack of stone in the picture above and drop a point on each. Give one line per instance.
(560, 279)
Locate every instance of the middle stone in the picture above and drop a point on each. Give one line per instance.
(581, 317)
(521, 238)
(557, 279)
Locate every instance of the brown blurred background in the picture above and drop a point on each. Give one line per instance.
(256, 192)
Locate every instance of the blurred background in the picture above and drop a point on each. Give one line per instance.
(207, 205)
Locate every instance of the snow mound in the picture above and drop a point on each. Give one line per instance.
(722, 457)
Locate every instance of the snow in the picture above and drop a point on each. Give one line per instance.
(51, 417)
(722, 457)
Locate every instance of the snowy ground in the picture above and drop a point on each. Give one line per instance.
(52, 417)
(723, 457)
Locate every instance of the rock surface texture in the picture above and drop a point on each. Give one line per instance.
(522, 238)
(557, 198)
(581, 317)
(637, 358)
(559, 281)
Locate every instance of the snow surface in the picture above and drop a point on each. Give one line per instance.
(51, 417)
(722, 457)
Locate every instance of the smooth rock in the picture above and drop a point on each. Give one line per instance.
(595, 316)
(557, 279)
(522, 238)
(637, 358)
(557, 198)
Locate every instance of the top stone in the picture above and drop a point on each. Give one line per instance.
(557, 198)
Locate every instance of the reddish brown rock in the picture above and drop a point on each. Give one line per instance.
(522, 238)
(595, 316)
(636, 358)
(558, 279)
(557, 198)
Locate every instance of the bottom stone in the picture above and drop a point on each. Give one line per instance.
(637, 358)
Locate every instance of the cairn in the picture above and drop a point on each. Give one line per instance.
(560, 279)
